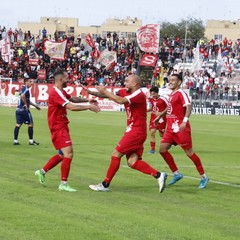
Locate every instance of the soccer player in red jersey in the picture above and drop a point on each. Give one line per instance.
(178, 131)
(157, 105)
(58, 103)
(131, 144)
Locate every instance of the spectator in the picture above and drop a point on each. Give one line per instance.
(44, 33)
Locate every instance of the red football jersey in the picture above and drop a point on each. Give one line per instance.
(158, 105)
(57, 113)
(176, 110)
(136, 110)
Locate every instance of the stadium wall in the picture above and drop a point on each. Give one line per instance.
(9, 96)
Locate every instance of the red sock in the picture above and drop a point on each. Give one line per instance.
(144, 167)
(65, 168)
(112, 169)
(52, 162)
(197, 162)
(169, 160)
(152, 144)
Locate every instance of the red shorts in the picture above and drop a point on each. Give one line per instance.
(61, 138)
(181, 138)
(160, 127)
(132, 142)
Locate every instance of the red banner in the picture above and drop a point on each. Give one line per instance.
(41, 74)
(149, 60)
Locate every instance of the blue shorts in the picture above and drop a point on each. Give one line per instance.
(23, 116)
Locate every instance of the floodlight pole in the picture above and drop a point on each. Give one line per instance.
(185, 49)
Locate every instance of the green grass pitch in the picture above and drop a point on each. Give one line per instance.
(133, 209)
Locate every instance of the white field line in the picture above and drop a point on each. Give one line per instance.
(212, 181)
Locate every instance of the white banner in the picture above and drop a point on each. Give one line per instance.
(107, 58)
(55, 50)
(148, 38)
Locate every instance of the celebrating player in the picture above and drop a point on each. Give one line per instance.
(178, 131)
(58, 103)
(131, 144)
(157, 105)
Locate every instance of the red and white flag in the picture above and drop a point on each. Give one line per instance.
(55, 50)
(5, 50)
(148, 38)
(90, 41)
(95, 53)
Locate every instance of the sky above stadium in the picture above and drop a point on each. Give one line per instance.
(95, 12)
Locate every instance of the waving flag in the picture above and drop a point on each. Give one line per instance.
(5, 50)
(219, 57)
(107, 58)
(95, 53)
(55, 50)
(197, 59)
(90, 41)
(148, 38)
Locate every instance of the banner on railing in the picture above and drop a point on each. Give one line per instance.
(40, 93)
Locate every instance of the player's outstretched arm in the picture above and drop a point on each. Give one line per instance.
(34, 105)
(77, 107)
(112, 96)
(94, 93)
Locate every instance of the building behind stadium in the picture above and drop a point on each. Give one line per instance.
(70, 26)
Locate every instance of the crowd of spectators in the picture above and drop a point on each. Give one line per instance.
(78, 60)
(213, 78)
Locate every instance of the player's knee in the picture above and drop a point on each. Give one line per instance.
(189, 152)
(69, 155)
(163, 149)
(130, 162)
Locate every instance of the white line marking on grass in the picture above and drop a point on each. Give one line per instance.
(212, 181)
(208, 166)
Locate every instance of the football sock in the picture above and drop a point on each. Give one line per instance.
(153, 145)
(112, 169)
(16, 132)
(169, 160)
(65, 168)
(52, 162)
(176, 172)
(197, 162)
(203, 176)
(30, 132)
(106, 185)
(145, 168)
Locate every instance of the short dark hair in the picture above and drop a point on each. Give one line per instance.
(179, 76)
(58, 72)
(154, 89)
(26, 80)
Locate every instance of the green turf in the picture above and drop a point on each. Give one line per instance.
(133, 209)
